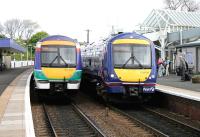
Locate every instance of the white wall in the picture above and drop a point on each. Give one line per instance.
(7, 61)
(192, 52)
(17, 64)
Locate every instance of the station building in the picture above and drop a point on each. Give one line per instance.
(192, 51)
(7, 47)
(170, 30)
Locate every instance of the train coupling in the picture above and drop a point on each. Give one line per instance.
(133, 91)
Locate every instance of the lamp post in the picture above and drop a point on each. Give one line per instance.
(30, 53)
(27, 55)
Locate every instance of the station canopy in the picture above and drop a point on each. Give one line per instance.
(10, 45)
(172, 18)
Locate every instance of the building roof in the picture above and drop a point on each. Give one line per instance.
(191, 44)
(172, 17)
(10, 45)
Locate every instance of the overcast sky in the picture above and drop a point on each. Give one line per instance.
(73, 17)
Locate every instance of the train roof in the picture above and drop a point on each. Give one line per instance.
(127, 35)
(57, 38)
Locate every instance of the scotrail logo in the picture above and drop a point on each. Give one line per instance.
(148, 89)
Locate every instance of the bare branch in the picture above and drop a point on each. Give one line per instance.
(11, 27)
(29, 28)
(16, 28)
(183, 5)
(1, 29)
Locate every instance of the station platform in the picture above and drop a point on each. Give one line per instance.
(15, 110)
(174, 86)
(8, 75)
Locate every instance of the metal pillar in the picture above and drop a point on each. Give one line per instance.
(27, 56)
(88, 35)
(162, 48)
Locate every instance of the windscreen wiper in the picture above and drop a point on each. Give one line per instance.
(53, 60)
(126, 62)
(134, 58)
(64, 61)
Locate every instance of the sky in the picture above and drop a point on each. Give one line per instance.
(72, 17)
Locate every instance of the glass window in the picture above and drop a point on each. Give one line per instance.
(58, 56)
(68, 55)
(49, 56)
(132, 56)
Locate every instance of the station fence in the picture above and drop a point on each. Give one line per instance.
(17, 64)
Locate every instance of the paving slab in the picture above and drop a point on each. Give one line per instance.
(175, 81)
(16, 119)
(7, 76)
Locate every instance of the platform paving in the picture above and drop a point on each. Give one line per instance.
(13, 120)
(175, 81)
(174, 86)
(7, 76)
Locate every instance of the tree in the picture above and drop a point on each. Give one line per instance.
(190, 5)
(11, 27)
(38, 36)
(28, 29)
(183, 5)
(1, 28)
(20, 29)
(2, 36)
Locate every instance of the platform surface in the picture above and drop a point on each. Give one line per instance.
(174, 86)
(7, 76)
(14, 103)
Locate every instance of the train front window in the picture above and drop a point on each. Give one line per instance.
(131, 56)
(58, 56)
(68, 56)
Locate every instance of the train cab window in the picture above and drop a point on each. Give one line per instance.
(131, 56)
(67, 55)
(90, 62)
(48, 55)
(58, 56)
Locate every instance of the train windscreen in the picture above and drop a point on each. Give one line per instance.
(131, 56)
(58, 56)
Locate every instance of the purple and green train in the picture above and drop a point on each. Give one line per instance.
(58, 64)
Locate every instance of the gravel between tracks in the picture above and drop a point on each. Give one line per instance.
(110, 122)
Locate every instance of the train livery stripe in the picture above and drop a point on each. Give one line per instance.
(131, 41)
(133, 75)
(58, 73)
(52, 42)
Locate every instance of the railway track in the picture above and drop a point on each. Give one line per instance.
(70, 121)
(158, 123)
(61, 120)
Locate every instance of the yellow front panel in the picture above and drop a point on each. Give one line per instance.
(133, 75)
(54, 42)
(58, 73)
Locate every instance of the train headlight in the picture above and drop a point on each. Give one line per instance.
(112, 75)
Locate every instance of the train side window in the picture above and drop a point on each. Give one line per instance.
(90, 62)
